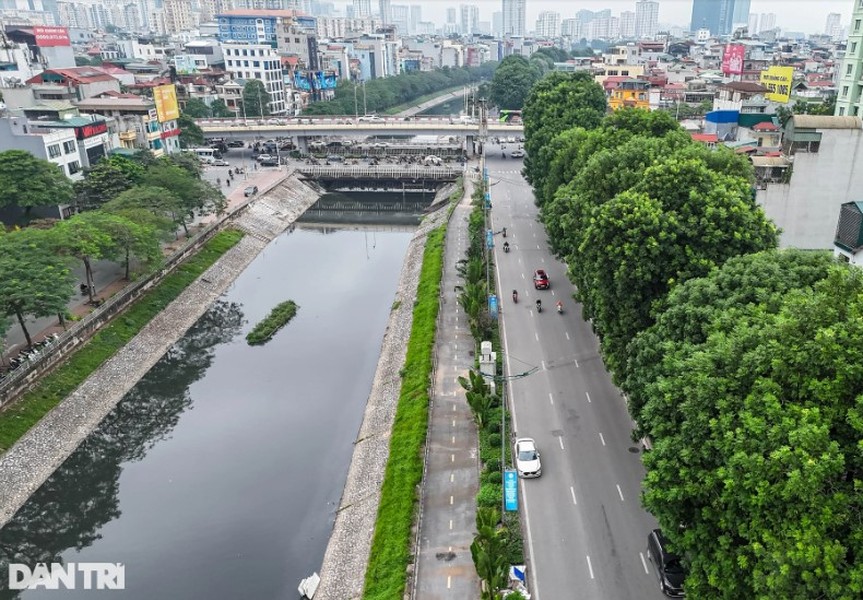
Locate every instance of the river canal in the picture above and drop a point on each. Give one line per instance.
(218, 475)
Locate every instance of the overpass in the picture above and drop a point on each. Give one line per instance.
(388, 178)
(303, 129)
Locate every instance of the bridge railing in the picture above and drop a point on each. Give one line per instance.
(380, 172)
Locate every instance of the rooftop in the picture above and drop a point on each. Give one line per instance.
(239, 12)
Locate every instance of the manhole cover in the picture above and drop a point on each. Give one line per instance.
(634, 449)
(445, 556)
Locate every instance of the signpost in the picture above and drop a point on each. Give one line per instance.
(510, 490)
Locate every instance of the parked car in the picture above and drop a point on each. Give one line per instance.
(270, 162)
(220, 163)
(236, 144)
(263, 157)
(540, 280)
(250, 191)
(335, 158)
(669, 569)
(527, 461)
(517, 153)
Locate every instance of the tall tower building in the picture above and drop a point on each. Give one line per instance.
(416, 17)
(740, 15)
(848, 100)
(646, 18)
(469, 18)
(450, 16)
(386, 12)
(833, 27)
(178, 16)
(514, 17)
(753, 23)
(768, 22)
(548, 24)
(497, 23)
(362, 9)
(715, 15)
(627, 25)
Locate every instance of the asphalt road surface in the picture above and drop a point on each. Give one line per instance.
(586, 529)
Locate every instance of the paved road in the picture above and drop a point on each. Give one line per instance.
(587, 531)
(445, 567)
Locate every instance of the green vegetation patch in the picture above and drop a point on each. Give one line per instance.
(22, 415)
(278, 318)
(390, 552)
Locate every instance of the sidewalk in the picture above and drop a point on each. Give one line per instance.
(108, 276)
(444, 564)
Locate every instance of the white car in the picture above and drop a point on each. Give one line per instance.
(527, 461)
(370, 119)
(518, 153)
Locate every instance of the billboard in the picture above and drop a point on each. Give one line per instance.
(165, 97)
(301, 82)
(778, 81)
(732, 59)
(315, 80)
(51, 36)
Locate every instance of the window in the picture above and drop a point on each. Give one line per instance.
(857, 23)
(257, 64)
(848, 69)
(74, 167)
(853, 47)
(54, 150)
(69, 147)
(844, 91)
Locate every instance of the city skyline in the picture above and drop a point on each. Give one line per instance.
(808, 16)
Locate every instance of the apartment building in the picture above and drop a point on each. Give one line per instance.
(258, 61)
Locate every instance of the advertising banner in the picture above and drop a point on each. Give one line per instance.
(492, 306)
(778, 81)
(330, 81)
(301, 82)
(165, 97)
(51, 36)
(510, 489)
(732, 59)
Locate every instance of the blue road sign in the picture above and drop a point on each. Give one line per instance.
(485, 173)
(489, 239)
(492, 306)
(487, 200)
(510, 489)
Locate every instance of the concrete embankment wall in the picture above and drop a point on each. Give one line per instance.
(26, 466)
(347, 555)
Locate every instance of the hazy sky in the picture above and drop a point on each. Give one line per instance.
(808, 16)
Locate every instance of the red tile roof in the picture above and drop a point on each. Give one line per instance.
(705, 137)
(77, 75)
(765, 126)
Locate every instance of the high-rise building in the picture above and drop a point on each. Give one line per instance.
(833, 27)
(740, 15)
(401, 19)
(514, 17)
(416, 17)
(753, 23)
(450, 15)
(768, 22)
(469, 18)
(497, 23)
(848, 100)
(714, 15)
(386, 12)
(548, 24)
(178, 16)
(627, 25)
(362, 9)
(646, 18)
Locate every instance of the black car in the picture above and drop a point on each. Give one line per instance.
(669, 569)
(236, 144)
(269, 162)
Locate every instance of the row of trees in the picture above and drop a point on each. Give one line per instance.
(516, 75)
(380, 94)
(127, 207)
(738, 360)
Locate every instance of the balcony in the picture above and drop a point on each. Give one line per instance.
(128, 136)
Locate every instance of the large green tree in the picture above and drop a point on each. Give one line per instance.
(134, 234)
(191, 135)
(256, 99)
(27, 181)
(195, 196)
(197, 109)
(759, 485)
(33, 280)
(160, 203)
(558, 102)
(86, 237)
(678, 221)
(685, 318)
(220, 110)
(106, 179)
(512, 82)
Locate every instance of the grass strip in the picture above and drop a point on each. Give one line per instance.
(391, 544)
(417, 101)
(17, 419)
(264, 331)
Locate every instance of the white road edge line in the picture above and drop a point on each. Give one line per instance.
(560, 439)
(572, 493)
(586, 394)
(589, 567)
(601, 439)
(644, 563)
(576, 364)
(550, 398)
(619, 492)
(567, 337)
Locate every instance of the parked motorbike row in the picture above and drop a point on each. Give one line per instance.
(33, 353)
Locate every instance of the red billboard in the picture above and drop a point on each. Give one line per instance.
(88, 131)
(51, 36)
(732, 59)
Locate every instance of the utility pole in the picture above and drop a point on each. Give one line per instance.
(365, 108)
(356, 108)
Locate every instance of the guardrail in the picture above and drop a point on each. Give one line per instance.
(380, 172)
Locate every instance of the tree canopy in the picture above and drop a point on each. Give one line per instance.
(755, 472)
(558, 102)
(191, 135)
(27, 181)
(513, 80)
(256, 99)
(106, 179)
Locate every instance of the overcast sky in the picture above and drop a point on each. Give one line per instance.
(808, 16)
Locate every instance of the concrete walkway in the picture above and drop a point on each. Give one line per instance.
(445, 568)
